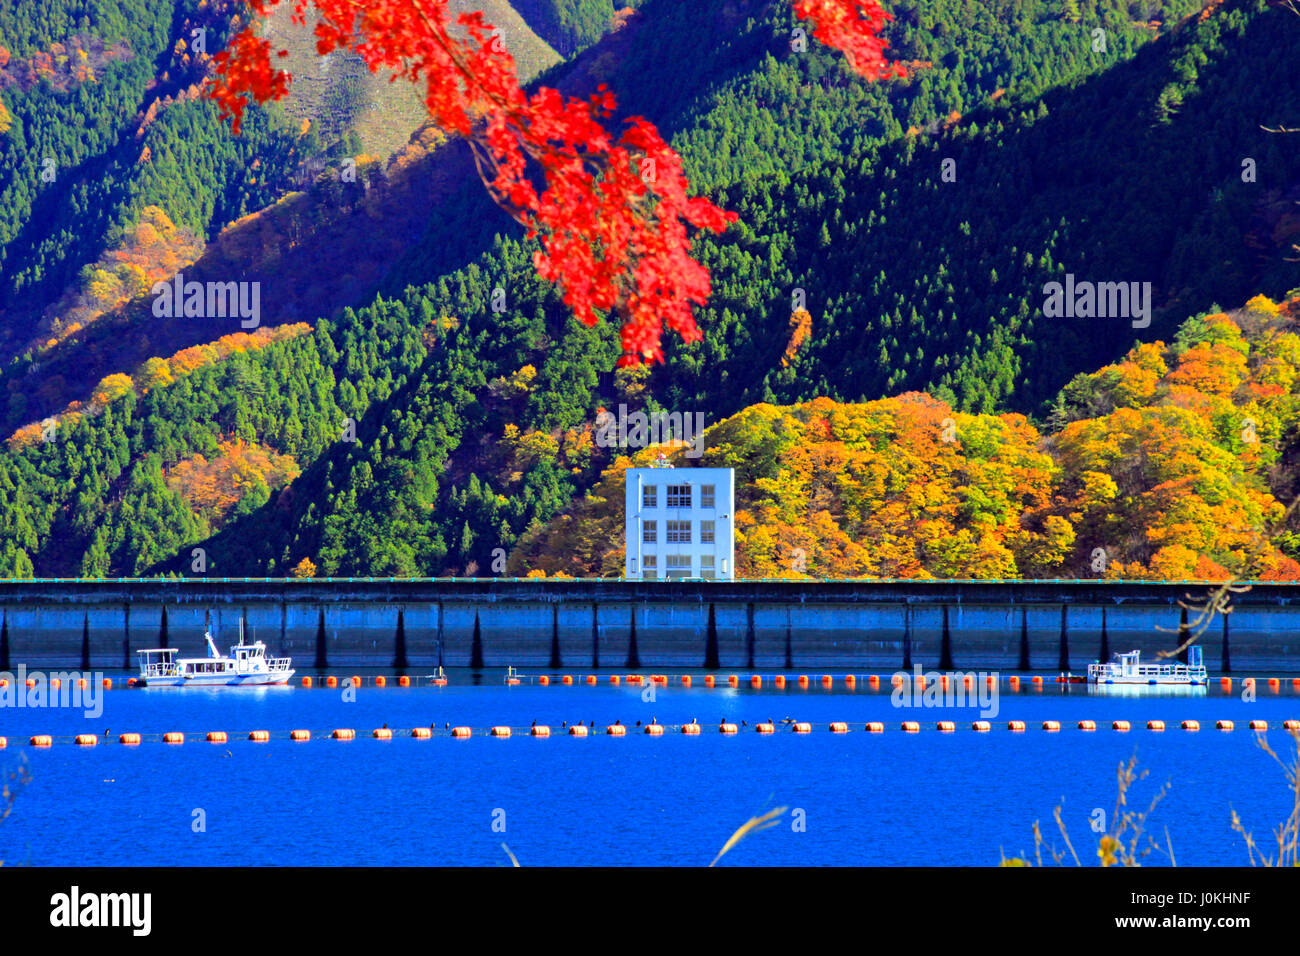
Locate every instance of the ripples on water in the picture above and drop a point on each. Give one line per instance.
(929, 798)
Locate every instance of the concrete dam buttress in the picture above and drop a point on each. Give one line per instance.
(619, 624)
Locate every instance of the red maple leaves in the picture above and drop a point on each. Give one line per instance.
(852, 27)
(612, 216)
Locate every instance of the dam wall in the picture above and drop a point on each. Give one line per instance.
(419, 624)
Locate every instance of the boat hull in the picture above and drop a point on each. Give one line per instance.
(218, 680)
(1154, 681)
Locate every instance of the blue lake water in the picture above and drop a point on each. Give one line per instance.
(893, 798)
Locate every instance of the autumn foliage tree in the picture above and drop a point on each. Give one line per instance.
(612, 215)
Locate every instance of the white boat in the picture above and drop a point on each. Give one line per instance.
(247, 665)
(1129, 669)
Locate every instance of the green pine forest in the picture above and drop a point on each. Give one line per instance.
(434, 434)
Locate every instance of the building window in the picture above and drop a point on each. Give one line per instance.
(706, 566)
(649, 532)
(706, 496)
(706, 533)
(679, 496)
(649, 566)
(679, 566)
(650, 496)
(679, 532)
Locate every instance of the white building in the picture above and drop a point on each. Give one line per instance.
(679, 523)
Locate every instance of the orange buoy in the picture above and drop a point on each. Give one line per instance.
(661, 680)
(566, 679)
(382, 733)
(1274, 684)
(4, 742)
(1051, 726)
(403, 681)
(991, 680)
(1291, 724)
(1191, 725)
(544, 680)
(827, 680)
(421, 733)
(943, 681)
(1016, 725)
(86, 740)
(945, 726)
(1259, 725)
(1156, 725)
(381, 681)
(709, 680)
(306, 682)
(1120, 725)
(591, 678)
(1013, 682)
(259, 736)
(173, 737)
(779, 681)
(725, 728)
(686, 680)
(130, 682)
(356, 680)
(803, 680)
(896, 680)
(344, 734)
(500, 731)
(440, 682)
(300, 735)
(1248, 682)
(850, 680)
(981, 726)
(1087, 725)
(1036, 679)
(875, 727)
(691, 729)
(839, 727)
(967, 680)
(919, 681)
(764, 729)
(539, 730)
(331, 681)
(42, 740)
(616, 730)
(31, 682)
(756, 682)
(911, 727)
(1295, 683)
(217, 737)
(1224, 725)
(461, 732)
(81, 683)
(1225, 683)
(614, 678)
(802, 727)
(654, 730)
(128, 738)
(733, 680)
(874, 680)
(108, 683)
(577, 730)
(55, 683)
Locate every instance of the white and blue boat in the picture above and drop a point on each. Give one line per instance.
(247, 665)
(1129, 669)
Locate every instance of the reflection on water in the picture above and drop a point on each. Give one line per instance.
(1146, 690)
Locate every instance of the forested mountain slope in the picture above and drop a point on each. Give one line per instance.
(433, 430)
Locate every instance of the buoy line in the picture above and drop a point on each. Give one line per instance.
(616, 729)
